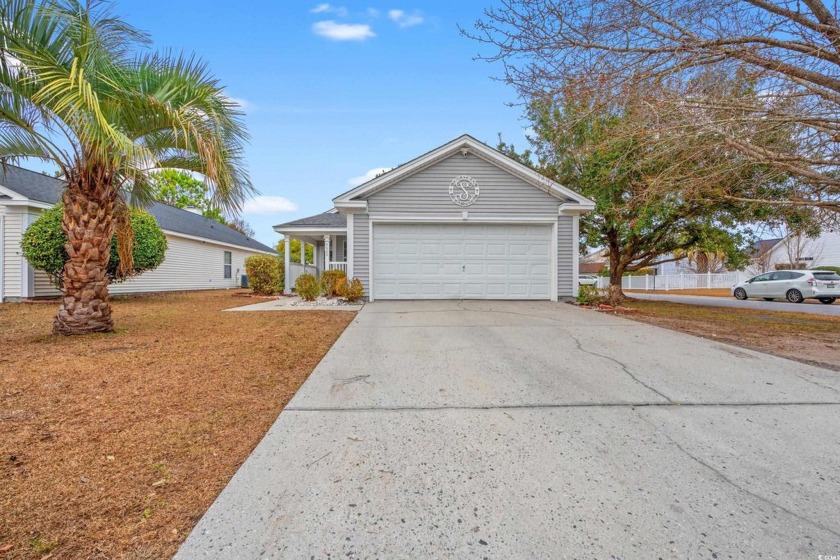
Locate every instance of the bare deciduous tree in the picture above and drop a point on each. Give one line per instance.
(801, 251)
(788, 50)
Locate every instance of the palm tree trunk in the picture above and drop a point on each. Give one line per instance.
(88, 224)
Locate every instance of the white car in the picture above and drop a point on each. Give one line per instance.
(587, 280)
(793, 285)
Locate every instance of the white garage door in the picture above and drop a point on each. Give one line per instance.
(459, 261)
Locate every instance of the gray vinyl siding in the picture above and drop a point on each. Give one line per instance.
(361, 249)
(427, 192)
(566, 255)
(12, 259)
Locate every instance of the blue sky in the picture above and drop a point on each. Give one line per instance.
(334, 90)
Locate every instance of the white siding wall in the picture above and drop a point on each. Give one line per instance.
(830, 249)
(12, 257)
(189, 265)
(824, 250)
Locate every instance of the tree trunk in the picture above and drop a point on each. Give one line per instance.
(88, 224)
(615, 294)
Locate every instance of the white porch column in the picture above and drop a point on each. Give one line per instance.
(287, 250)
(303, 254)
(327, 259)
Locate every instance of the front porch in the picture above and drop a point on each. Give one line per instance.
(325, 236)
(328, 252)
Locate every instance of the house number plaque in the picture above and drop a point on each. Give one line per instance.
(463, 190)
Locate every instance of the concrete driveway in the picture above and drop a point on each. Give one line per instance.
(537, 430)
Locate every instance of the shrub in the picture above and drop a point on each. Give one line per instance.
(265, 274)
(588, 295)
(341, 286)
(354, 290)
(307, 286)
(43, 245)
(831, 268)
(329, 282)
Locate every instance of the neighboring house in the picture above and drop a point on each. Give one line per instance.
(593, 268)
(463, 221)
(202, 253)
(796, 251)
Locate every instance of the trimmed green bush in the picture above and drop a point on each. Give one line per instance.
(588, 295)
(265, 274)
(329, 282)
(354, 290)
(307, 286)
(43, 245)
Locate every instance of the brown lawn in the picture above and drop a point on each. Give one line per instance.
(807, 338)
(711, 292)
(115, 445)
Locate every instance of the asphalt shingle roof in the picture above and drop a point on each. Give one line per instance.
(43, 188)
(326, 219)
(763, 245)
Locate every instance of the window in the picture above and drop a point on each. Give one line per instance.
(228, 265)
(762, 278)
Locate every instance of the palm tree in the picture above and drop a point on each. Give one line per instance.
(79, 88)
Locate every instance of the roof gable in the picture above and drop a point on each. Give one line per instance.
(469, 145)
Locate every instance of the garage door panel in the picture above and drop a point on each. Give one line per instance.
(429, 269)
(454, 261)
(497, 269)
(539, 269)
(474, 249)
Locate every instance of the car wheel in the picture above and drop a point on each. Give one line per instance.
(795, 296)
(741, 294)
(828, 300)
(769, 299)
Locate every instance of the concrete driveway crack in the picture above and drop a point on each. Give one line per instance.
(623, 367)
(349, 380)
(734, 484)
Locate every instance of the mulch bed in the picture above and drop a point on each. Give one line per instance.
(115, 445)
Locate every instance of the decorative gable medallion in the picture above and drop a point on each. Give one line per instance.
(463, 190)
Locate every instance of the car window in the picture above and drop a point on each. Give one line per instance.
(778, 276)
(795, 275)
(826, 275)
(762, 277)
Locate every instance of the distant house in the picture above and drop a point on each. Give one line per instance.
(202, 253)
(796, 252)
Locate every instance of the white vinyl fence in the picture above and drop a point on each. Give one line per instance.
(677, 281)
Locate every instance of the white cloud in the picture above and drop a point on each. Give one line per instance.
(404, 19)
(343, 31)
(269, 205)
(245, 105)
(368, 175)
(329, 9)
